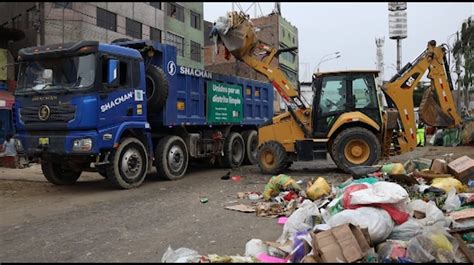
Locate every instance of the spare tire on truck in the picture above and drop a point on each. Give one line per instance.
(156, 88)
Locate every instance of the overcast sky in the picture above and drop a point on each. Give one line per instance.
(351, 29)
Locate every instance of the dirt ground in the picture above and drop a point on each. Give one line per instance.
(91, 222)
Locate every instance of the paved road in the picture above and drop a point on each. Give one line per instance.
(90, 222)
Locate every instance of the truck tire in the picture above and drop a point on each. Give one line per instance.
(234, 151)
(355, 147)
(58, 173)
(272, 158)
(172, 157)
(156, 88)
(251, 146)
(128, 164)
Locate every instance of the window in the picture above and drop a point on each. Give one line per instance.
(361, 89)
(135, 73)
(177, 41)
(156, 4)
(67, 5)
(195, 51)
(176, 11)
(133, 28)
(333, 94)
(30, 17)
(106, 19)
(195, 20)
(155, 34)
(288, 56)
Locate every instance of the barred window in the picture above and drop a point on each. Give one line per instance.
(195, 20)
(177, 41)
(195, 51)
(133, 28)
(175, 11)
(155, 34)
(106, 19)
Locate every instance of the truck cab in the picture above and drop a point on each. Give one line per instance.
(76, 103)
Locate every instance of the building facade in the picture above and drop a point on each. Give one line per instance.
(176, 23)
(273, 30)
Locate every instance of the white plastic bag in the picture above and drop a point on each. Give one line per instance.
(300, 220)
(181, 255)
(432, 213)
(378, 221)
(380, 192)
(255, 247)
(452, 202)
(407, 230)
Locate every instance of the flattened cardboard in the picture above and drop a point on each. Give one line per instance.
(462, 168)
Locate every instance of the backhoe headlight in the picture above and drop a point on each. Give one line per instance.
(82, 144)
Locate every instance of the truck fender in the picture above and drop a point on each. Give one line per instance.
(135, 125)
(354, 116)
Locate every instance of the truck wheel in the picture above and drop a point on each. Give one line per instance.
(58, 173)
(272, 158)
(355, 147)
(251, 146)
(171, 157)
(234, 151)
(128, 165)
(156, 88)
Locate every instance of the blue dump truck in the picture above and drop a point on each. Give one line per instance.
(121, 108)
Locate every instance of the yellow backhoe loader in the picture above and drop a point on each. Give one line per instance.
(346, 118)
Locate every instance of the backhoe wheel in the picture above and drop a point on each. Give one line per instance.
(59, 173)
(128, 164)
(251, 146)
(355, 147)
(272, 158)
(171, 157)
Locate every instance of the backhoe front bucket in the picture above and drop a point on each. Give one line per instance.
(240, 38)
(431, 112)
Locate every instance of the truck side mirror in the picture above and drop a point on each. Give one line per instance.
(113, 73)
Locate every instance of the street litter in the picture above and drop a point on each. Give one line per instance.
(241, 208)
(417, 211)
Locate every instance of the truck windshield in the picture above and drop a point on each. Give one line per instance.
(68, 73)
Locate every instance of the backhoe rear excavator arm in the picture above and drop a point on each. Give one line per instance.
(400, 92)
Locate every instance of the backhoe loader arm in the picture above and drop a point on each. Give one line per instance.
(439, 113)
(239, 38)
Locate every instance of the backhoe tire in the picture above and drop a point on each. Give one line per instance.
(59, 173)
(156, 88)
(355, 147)
(272, 158)
(171, 157)
(251, 146)
(234, 151)
(128, 164)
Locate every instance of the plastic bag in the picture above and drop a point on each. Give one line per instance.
(407, 230)
(181, 255)
(318, 189)
(278, 183)
(452, 202)
(390, 251)
(393, 169)
(447, 183)
(380, 192)
(378, 221)
(434, 244)
(255, 247)
(433, 214)
(300, 220)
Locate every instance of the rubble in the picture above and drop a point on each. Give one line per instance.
(418, 211)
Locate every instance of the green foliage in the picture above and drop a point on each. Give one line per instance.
(464, 47)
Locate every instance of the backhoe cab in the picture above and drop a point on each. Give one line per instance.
(346, 118)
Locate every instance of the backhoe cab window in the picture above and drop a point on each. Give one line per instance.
(363, 90)
(59, 73)
(333, 94)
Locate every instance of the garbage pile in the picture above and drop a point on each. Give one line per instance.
(419, 211)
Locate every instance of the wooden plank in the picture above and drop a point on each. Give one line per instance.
(464, 248)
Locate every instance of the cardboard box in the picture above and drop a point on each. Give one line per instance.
(462, 168)
(439, 166)
(344, 243)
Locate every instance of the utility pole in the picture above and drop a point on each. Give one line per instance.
(64, 7)
(398, 26)
(458, 72)
(38, 24)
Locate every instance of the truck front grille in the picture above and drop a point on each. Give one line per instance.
(59, 113)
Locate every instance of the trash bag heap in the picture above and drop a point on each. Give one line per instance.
(418, 211)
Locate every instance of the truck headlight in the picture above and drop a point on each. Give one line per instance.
(82, 144)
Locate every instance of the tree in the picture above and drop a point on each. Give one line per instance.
(464, 54)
